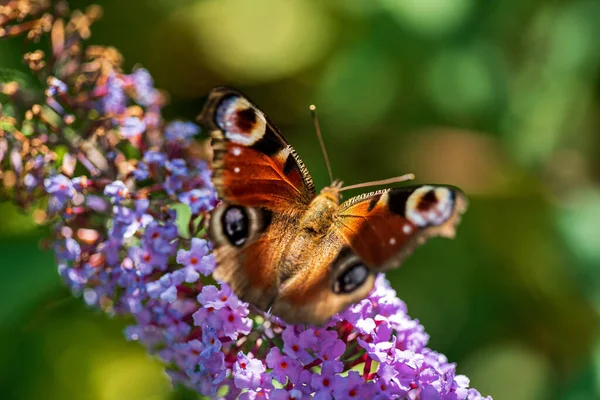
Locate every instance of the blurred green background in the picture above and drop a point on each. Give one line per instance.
(500, 98)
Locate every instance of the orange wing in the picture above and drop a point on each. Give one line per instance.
(384, 227)
(253, 164)
(248, 255)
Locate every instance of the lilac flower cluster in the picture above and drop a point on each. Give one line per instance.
(123, 242)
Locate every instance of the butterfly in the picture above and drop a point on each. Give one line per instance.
(284, 248)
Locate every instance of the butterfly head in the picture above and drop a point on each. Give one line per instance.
(333, 191)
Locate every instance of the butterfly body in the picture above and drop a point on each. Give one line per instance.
(319, 215)
(284, 248)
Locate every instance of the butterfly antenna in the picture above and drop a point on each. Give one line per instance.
(313, 112)
(403, 178)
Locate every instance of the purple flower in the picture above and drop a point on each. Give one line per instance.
(174, 185)
(114, 99)
(473, 394)
(141, 171)
(296, 345)
(37, 162)
(146, 261)
(185, 354)
(222, 309)
(213, 297)
(262, 394)
(68, 250)
(331, 349)
(181, 131)
(169, 295)
(164, 288)
(294, 394)
(325, 338)
(236, 321)
(386, 385)
(31, 181)
(55, 86)
(161, 238)
(199, 200)
(350, 387)
(16, 161)
(132, 127)
(197, 260)
(177, 167)
(208, 315)
(155, 157)
(210, 339)
(249, 373)
(202, 172)
(383, 346)
(323, 382)
(116, 191)
(79, 183)
(97, 203)
(145, 93)
(59, 187)
(110, 249)
(131, 221)
(284, 367)
(214, 306)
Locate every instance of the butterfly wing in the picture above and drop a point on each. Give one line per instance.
(264, 187)
(384, 227)
(252, 163)
(248, 245)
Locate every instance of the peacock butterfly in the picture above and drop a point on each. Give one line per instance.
(283, 247)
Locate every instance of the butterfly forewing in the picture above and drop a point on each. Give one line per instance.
(253, 164)
(384, 227)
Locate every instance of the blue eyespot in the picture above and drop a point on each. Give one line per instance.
(351, 279)
(234, 221)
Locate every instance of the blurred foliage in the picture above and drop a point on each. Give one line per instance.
(499, 98)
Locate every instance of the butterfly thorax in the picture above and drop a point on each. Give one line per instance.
(321, 211)
(332, 191)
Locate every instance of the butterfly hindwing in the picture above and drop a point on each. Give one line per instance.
(384, 227)
(247, 244)
(333, 278)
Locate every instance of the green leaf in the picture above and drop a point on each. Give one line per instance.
(25, 82)
(12, 75)
(27, 274)
(8, 75)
